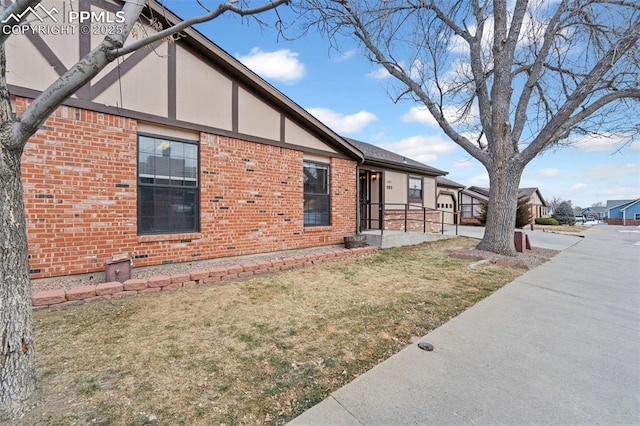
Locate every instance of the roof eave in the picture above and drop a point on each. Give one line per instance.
(402, 167)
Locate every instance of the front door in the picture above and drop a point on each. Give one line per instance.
(364, 199)
(369, 199)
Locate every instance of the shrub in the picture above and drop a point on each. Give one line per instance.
(546, 221)
(564, 214)
(523, 214)
(482, 213)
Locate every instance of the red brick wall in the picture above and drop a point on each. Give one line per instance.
(394, 220)
(79, 174)
(627, 222)
(470, 221)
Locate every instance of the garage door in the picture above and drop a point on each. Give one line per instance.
(447, 204)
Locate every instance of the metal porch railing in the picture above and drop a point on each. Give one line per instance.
(366, 209)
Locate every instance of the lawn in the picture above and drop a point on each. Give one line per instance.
(256, 351)
(575, 229)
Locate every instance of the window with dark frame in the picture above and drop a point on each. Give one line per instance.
(415, 189)
(317, 204)
(467, 211)
(168, 188)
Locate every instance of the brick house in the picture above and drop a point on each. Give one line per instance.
(174, 154)
(623, 212)
(392, 186)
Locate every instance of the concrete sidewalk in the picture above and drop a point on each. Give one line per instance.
(538, 238)
(559, 345)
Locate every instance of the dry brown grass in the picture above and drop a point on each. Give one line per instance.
(256, 351)
(575, 229)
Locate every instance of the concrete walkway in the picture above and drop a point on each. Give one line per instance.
(559, 345)
(538, 238)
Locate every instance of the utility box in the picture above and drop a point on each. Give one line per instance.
(118, 268)
(521, 241)
(355, 241)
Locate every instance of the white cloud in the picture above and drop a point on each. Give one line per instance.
(416, 71)
(580, 186)
(343, 123)
(481, 180)
(550, 172)
(379, 74)
(463, 164)
(281, 65)
(420, 115)
(604, 143)
(425, 149)
(620, 192)
(344, 56)
(605, 171)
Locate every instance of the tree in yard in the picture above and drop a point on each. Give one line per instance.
(555, 202)
(504, 80)
(523, 213)
(17, 373)
(564, 214)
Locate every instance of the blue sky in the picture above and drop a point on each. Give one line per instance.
(350, 95)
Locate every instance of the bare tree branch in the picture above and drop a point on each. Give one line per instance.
(224, 7)
(534, 71)
(555, 126)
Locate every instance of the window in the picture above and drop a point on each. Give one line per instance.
(467, 211)
(637, 216)
(167, 186)
(316, 193)
(415, 189)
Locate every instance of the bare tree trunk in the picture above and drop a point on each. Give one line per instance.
(501, 210)
(17, 372)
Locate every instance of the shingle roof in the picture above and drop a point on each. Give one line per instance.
(375, 154)
(615, 203)
(441, 180)
(595, 209)
(479, 190)
(522, 192)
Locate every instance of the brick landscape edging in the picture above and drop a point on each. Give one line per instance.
(132, 287)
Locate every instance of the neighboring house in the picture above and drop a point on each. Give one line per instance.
(471, 201)
(614, 203)
(448, 199)
(626, 213)
(597, 213)
(473, 197)
(178, 153)
(537, 205)
(390, 183)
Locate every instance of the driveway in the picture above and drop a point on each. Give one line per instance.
(541, 239)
